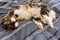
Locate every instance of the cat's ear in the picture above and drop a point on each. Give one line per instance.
(11, 12)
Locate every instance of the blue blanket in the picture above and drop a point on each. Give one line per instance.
(27, 30)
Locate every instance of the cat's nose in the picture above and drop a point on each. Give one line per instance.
(13, 19)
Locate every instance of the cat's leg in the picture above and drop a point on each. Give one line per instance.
(48, 21)
(39, 24)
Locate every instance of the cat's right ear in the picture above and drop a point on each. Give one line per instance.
(11, 12)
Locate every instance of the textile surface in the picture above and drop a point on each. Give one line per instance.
(27, 30)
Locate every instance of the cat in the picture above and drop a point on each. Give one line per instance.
(39, 13)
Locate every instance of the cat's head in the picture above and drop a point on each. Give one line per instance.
(9, 21)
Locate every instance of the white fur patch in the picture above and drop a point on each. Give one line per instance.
(19, 11)
(16, 24)
(48, 20)
(13, 19)
(52, 14)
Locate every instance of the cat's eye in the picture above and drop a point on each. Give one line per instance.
(16, 15)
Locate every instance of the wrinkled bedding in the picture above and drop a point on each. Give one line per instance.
(27, 30)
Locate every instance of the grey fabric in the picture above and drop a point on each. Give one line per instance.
(27, 30)
(56, 7)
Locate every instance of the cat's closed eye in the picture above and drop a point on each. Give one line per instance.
(16, 15)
